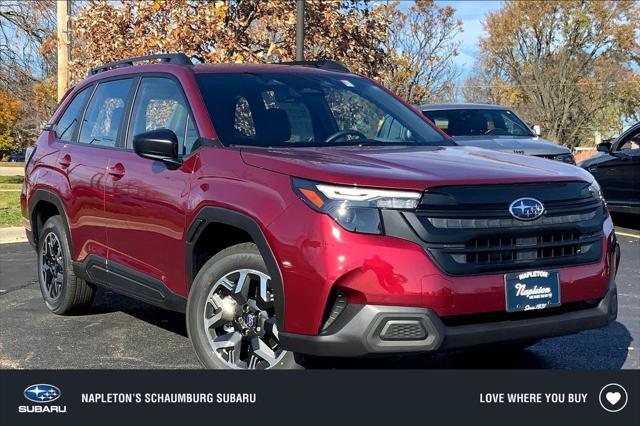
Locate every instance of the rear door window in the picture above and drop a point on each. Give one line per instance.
(104, 114)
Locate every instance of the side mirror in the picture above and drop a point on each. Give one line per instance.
(603, 147)
(159, 144)
(536, 130)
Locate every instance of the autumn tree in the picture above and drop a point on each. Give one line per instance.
(352, 32)
(27, 67)
(422, 45)
(25, 30)
(487, 85)
(408, 48)
(9, 114)
(565, 65)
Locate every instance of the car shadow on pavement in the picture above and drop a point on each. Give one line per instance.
(626, 220)
(607, 348)
(107, 301)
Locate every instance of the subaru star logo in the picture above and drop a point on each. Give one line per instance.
(526, 209)
(42, 393)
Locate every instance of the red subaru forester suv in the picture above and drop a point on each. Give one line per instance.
(301, 209)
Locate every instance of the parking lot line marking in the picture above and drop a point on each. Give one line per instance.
(624, 234)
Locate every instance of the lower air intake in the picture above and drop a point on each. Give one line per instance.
(403, 330)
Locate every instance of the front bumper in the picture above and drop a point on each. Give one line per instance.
(317, 259)
(371, 329)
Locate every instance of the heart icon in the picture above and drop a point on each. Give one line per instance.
(613, 397)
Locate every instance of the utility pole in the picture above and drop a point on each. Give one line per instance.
(63, 27)
(300, 30)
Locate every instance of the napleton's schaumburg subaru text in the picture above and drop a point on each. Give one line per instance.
(265, 203)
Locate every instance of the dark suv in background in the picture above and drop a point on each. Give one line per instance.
(261, 201)
(616, 167)
(16, 157)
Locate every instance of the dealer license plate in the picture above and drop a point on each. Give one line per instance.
(531, 290)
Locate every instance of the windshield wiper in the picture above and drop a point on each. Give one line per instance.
(374, 142)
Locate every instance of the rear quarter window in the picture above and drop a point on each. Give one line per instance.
(69, 121)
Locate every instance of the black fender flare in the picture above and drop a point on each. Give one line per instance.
(53, 198)
(211, 214)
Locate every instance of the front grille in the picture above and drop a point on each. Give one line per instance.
(505, 250)
(460, 223)
(469, 230)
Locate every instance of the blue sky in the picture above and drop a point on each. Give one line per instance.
(471, 13)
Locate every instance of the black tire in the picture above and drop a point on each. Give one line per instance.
(75, 294)
(237, 257)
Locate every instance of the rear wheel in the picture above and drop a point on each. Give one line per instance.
(231, 313)
(63, 292)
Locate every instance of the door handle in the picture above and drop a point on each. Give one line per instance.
(65, 161)
(116, 171)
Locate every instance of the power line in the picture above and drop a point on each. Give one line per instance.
(591, 83)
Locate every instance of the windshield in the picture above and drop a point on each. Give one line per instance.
(479, 122)
(297, 110)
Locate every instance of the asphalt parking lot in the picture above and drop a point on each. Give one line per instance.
(122, 333)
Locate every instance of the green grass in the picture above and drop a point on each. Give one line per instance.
(11, 179)
(11, 186)
(8, 164)
(10, 209)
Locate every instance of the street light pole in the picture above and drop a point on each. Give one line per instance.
(300, 30)
(63, 10)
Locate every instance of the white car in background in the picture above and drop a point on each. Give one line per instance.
(492, 127)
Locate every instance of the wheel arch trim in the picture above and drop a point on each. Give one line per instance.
(51, 197)
(219, 215)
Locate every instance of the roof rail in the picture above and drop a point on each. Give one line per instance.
(325, 64)
(172, 58)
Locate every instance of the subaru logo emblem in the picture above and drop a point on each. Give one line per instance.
(42, 393)
(249, 320)
(526, 209)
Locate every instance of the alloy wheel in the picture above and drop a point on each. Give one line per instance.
(52, 266)
(239, 320)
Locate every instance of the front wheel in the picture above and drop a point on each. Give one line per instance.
(231, 316)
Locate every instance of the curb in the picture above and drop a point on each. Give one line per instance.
(13, 234)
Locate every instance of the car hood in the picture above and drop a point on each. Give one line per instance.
(410, 167)
(530, 146)
(597, 158)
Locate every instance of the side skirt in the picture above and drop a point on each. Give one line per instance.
(128, 282)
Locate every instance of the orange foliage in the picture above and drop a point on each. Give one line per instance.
(229, 31)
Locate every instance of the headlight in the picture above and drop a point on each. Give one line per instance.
(355, 209)
(596, 192)
(565, 158)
